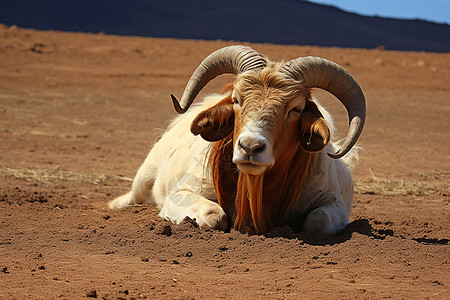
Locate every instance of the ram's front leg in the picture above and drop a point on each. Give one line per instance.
(182, 204)
(327, 219)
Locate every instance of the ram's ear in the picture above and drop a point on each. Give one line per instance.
(314, 131)
(216, 122)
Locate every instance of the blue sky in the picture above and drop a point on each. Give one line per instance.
(430, 10)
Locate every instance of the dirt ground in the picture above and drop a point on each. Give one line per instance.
(78, 115)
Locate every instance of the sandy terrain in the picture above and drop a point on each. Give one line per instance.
(78, 114)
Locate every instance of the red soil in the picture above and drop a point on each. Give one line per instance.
(79, 113)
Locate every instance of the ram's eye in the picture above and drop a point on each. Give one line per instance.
(295, 111)
(235, 100)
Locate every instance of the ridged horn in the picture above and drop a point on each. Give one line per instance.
(321, 73)
(232, 59)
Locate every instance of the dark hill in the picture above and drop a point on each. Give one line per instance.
(281, 22)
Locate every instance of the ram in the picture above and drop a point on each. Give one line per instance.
(260, 155)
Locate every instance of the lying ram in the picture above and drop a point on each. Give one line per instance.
(259, 155)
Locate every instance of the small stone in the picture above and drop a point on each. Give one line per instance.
(91, 294)
(421, 63)
(164, 229)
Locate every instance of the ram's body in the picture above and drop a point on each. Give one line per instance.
(175, 176)
(258, 156)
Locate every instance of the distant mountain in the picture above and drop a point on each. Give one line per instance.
(281, 22)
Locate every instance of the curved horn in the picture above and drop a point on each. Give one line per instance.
(318, 72)
(231, 59)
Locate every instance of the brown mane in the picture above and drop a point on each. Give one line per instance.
(224, 172)
(258, 203)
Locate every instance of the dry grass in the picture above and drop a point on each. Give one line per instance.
(425, 184)
(54, 175)
(40, 133)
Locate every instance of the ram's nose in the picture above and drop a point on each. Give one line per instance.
(251, 147)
